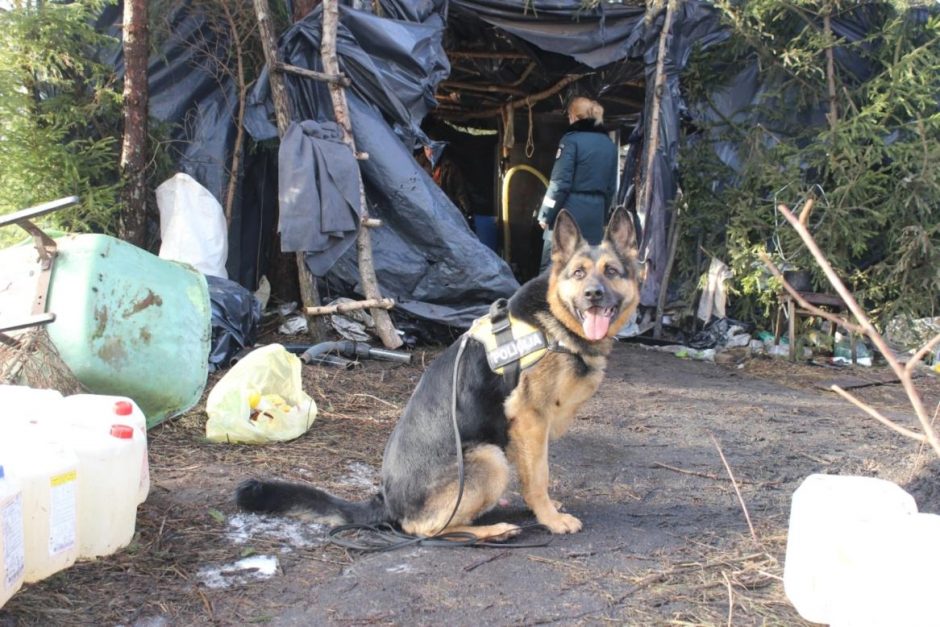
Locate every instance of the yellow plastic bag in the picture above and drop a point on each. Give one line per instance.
(261, 399)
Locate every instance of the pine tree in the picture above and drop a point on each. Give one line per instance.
(59, 113)
(861, 134)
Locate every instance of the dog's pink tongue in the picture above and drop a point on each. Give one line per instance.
(595, 324)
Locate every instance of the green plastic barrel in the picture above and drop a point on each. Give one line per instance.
(129, 323)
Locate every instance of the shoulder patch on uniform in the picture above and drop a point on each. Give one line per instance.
(560, 148)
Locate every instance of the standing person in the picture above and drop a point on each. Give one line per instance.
(584, 176)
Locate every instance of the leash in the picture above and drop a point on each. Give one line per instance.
(385, 537)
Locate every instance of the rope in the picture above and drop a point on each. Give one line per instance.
(529, 142)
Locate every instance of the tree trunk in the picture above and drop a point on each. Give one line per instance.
(370, 285)
(269, 45)
(133, 218)
(316, 325)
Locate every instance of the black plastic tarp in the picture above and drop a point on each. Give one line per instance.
(425, 255)
(594, 36)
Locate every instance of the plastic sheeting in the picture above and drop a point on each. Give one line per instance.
(425, 255)
(236, 314)
(594, 37)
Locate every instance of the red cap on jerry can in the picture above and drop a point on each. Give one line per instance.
(123, 408)
(122, 431)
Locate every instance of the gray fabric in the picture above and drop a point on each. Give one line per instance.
(318, 191)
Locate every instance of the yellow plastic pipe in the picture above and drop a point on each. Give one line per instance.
(504, 217)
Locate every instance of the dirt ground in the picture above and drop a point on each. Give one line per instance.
(665, 537)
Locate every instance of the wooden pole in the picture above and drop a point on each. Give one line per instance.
(670, 259)
(317, 326)
(652, 145)
(527, 101)
(239, 117)
(370, 285)
(652, 134)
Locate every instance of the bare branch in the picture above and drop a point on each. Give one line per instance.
(737, 491)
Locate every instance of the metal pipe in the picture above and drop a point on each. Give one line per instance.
(386, 354)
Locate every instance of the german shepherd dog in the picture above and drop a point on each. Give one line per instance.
(579, 303)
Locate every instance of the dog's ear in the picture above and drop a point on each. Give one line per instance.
(621, 234)
(566, 237)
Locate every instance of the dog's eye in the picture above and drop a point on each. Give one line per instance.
(611, 272)
(579, 273)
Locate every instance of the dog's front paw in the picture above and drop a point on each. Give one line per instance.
(561, 523)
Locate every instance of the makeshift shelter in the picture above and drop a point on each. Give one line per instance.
(493, 75)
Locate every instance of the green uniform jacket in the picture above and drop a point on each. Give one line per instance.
(584, 179)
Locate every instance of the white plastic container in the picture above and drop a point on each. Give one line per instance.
(829, 516)
(47, 474)
(108, 472)
(23, 403)
(12, 549)
(891, 574)
(100, 412)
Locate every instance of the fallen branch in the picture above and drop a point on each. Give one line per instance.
(708, 475)
(874, 413)
(737, 491)
(730, 596)
(380, 303)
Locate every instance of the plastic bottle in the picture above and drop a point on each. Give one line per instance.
(827, 518)
(100, 412)
(12, 556)
(47, 473)
(108, 469)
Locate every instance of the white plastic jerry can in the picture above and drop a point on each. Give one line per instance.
(12, 548)
(827, 515)
(101, 412)
(47, 474)
(108, 468)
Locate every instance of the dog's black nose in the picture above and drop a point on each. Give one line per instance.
(594, 293)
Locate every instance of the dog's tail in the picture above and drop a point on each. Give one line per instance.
(277, 497)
